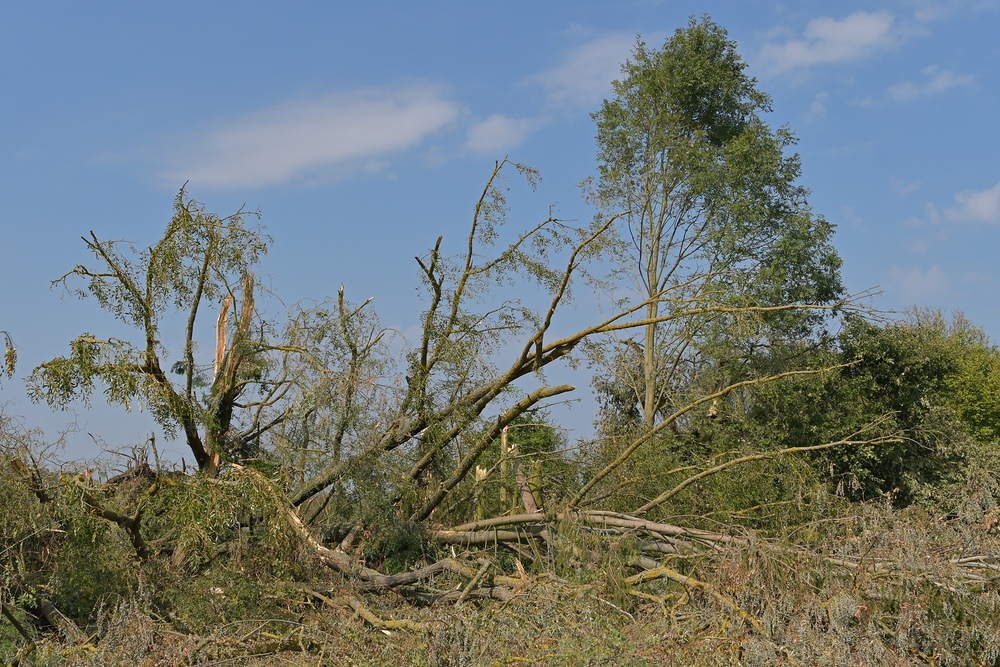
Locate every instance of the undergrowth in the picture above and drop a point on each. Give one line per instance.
(818, 580)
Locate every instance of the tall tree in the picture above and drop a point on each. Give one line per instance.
(713, 214)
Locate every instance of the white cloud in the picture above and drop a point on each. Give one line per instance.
(932, 11)
(981, 206)
(943, 80)
(850, 213)
(584, 77)
(904, 188)
(345, 131)
(818, 107)
(497, 134)
(828, 40)
(916, 284)
(904, 90)
(938, 81)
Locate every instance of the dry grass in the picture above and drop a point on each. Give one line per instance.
(855, 584)
(875, 588)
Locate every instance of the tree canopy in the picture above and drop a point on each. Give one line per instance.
(201, 261)
(712, 213)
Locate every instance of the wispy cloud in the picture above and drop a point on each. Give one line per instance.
(981, 206)
(917, 284)
(498, 133)
(342, 132)
(584, 77)
(918, 246)
(937, 81)
(930, 11)
(903, 188)
(818, 107)
(827, 40)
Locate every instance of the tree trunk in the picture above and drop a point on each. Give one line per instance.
(649, 369)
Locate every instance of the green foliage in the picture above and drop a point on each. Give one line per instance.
(730, 274)
(972, 390)
(95, 564)
(394, 546)
(223, 595)
(200, 262)
(683, 146)
(199, 256)
(219, 548)
(28, 526)
(332, 415)
(239, 517)
(923, 378)
(537, 453)
(926, 381)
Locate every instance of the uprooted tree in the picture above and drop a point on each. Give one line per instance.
(332, 436)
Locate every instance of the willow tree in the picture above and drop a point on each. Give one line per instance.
(712, 212)
(203, 265)
(448, 398)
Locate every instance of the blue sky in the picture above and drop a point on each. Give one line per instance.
(364, 131)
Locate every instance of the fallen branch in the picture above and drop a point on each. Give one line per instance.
(373, 580)
(66, 627)
(690, 582)
(369, 617)
(488, 538)
(131, 524)
(484, 566)
(665, 538)
(9, 615)
(425, 596)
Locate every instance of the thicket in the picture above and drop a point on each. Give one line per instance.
(777, 476)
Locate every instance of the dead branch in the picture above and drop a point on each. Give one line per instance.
(691, 582)
(451, 565)
(424, 596)
(33, 476)
(670, 534)
(9, 615)
(373, 580)
(58, 620)
(474, 582)
(220, 335)
(369, 617)
(500, 522)
(488, 538)
(131, 524)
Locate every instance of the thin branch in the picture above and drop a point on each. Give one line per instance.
(667, 495)
(627, 453)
